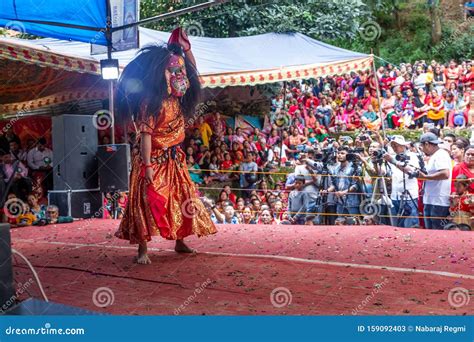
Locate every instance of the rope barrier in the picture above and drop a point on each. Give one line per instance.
(287, 173)
(352, 215)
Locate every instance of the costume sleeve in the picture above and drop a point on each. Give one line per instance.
(147, 122)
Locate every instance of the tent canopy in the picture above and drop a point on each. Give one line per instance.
(222, 62)
(79, 20)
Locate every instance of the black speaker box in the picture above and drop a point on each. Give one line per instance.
(6, 273)
(114, 167)
(74, 152)
(77, 203)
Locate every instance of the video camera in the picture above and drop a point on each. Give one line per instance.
(377, 156)
(352, 154)
(327, 155)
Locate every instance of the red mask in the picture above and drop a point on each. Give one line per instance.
(178, 82)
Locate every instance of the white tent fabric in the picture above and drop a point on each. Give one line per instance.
(221, 62)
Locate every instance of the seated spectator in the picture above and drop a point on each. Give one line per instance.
(52, 216)
(228, 217)
(265, 217)
(462, 201)
(465, 168)
(194, 171)
(436, 113)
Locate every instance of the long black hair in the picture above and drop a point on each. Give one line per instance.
(143, 81)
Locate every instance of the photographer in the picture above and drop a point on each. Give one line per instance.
(345, 188)
(437, 181)
(404, 187)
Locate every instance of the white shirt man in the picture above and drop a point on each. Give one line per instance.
(405, 214)
(437, 182)
(39, 158)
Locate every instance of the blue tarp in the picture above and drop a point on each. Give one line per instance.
(19, 14)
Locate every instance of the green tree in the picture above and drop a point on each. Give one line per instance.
(320, 19)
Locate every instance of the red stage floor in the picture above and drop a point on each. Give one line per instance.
(310, 270)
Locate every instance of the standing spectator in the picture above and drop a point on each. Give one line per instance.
(297, 202)
(40, 161)
(344, 185)
(248, 176)
(401, 181)
(468, 9)
(16, 152)
(437, 181)
(205, 130)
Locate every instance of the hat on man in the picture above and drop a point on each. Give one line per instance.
(400, 140)
(430, 138)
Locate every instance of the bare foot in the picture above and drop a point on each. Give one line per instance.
(142, 257)
(181, 247)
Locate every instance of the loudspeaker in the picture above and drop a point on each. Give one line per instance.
(114, 167)
(74, 148)
(77, 203)
(7, 294)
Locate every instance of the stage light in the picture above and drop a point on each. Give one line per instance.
(109, 68)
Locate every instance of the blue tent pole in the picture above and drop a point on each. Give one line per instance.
(281, 131)
(108, 36)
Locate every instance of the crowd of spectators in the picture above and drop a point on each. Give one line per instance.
(325, 181)
(422, 96)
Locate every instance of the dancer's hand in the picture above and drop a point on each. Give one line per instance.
(149, 175)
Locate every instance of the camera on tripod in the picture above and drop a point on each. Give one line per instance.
(327, 155)
(377, 156)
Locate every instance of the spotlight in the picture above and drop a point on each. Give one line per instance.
(109, 68)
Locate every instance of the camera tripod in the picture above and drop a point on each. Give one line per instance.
(404, 199)
(380, 197)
